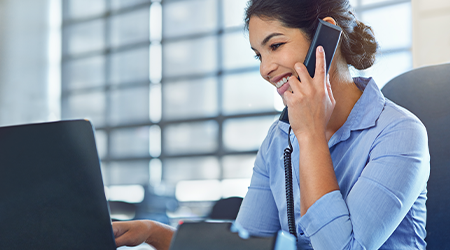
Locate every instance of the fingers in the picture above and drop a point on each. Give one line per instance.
(127, 233)
(320, 64)
(308, 84)
(119, 230)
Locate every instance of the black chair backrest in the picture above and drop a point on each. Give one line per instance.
(226, 209)
(426, 93)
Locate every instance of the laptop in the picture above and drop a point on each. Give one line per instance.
(51, 188)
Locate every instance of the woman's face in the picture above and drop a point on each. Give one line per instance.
(278, 48)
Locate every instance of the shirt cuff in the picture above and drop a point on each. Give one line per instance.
(325, 210)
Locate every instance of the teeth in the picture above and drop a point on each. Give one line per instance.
(282, 82)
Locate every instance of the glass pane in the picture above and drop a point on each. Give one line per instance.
(129, 105)
(238, 166)
(86, 37)
(194, 137)
(130, 66)
(127, 173)
(245, 93)
(185, 99)
(126, 193)
(155, 168)
(233, 12)
(246, 133)
(392, 32)
(155, 22)
(193, 168)
(389, 66)
(129, 142)
(84, 73)
(89, 106)
(198, 190)
(155, 141)
(118, 4)
(124, 28)
(187, 17)
(155, 102)
(190, 57)
(367, 2)
(237, 52)
(86, 8)
(155, 62)
(235, 187)
(101, 141)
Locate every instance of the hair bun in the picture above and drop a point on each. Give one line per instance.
(360, 46)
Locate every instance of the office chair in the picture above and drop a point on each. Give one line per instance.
(226, 209)
(426, 93)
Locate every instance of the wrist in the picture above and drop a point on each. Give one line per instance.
(159, 235)
(306, 139)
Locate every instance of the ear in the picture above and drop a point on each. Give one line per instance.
(330, 20)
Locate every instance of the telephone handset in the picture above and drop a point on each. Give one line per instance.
(327, 35)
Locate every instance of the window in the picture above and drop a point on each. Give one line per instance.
(394, 35)
(175, 95)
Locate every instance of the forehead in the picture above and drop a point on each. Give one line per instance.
(258, 25)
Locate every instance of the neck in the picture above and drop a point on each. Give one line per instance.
(346, 94)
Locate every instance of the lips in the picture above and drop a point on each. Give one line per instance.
(282, 83)
(283, 88)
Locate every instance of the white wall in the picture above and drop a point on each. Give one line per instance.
(431, 32)
(24, 33)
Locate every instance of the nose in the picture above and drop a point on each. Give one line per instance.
(267, 67)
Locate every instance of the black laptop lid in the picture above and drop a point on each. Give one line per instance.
(51, 189)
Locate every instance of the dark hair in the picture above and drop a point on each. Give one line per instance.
(358, 44)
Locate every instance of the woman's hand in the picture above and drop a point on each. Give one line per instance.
(310, 107)
(311, 103)
(133, 233)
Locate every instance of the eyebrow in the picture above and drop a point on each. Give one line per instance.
(263, 43)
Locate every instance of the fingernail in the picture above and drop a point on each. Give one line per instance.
(320, 49)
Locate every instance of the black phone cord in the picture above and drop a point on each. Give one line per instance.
(289, 190)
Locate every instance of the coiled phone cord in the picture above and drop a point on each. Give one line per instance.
(289, 190)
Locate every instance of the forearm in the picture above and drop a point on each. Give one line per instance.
(317, 176)
(160, 235)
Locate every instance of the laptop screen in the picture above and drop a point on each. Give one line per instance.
(51, 188)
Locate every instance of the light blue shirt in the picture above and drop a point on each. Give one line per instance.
(381, 160)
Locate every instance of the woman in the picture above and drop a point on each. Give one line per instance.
(360, 162)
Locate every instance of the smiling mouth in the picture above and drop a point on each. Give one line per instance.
(282, 82)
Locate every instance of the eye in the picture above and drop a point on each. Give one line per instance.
(276, 46)
(258, 57)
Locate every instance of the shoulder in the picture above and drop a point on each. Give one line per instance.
(273, 145)
(276, 132)
(400, 132)
(395, 116)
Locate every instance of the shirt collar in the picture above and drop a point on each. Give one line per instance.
(366, 111)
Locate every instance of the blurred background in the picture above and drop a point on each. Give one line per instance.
(172, 87)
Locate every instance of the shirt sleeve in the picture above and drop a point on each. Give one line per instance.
(394, 177)
(258, 213)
